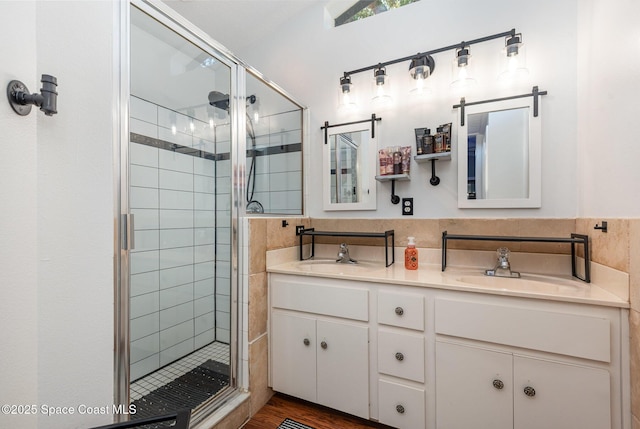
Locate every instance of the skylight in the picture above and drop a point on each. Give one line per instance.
(366, 8)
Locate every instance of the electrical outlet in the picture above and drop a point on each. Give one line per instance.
(299, 229)
(407, 206)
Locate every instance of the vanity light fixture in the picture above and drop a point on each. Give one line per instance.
(462, 75)
(420, 69)
(417, 68)
(513, 59)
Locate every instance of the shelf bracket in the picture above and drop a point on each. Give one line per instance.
(435, 180)
(394, 198)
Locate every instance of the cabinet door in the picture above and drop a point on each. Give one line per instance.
(473, 388)
(293, 355)
(563, 395)
(343, 367)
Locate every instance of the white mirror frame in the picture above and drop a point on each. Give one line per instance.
(535, 156)
(366, 167)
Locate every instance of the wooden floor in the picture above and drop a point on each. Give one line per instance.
(281, 407)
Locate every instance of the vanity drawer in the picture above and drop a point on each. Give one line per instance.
(401, 355)
(345, 302)
(401, 406)
(401, 309)
(567, 334)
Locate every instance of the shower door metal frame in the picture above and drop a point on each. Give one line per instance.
(123, 221)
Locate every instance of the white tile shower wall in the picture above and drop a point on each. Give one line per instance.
(278, 184)
(180, 268)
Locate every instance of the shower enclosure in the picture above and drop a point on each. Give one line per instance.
(208, 140)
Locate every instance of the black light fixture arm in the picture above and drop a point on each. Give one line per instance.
(511, 33)
(21, 100)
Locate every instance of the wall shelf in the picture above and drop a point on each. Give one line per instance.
(573, 240)
(421, 159)
(392, 178)
(311, 232)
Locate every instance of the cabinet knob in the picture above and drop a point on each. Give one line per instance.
(530, 391)
(400, 409)
(399, 311)
(306, 341)
(399, 356)
(323, 345)
(498, 384)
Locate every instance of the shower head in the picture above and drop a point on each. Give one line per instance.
(219, 100)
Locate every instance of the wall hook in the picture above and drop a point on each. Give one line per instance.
(602, 227)
(21, 101)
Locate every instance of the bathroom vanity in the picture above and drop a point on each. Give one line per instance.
(454, 349)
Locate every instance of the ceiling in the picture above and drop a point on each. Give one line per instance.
(237, 24)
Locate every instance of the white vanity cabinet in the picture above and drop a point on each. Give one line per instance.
(320, 344)
(416, 357)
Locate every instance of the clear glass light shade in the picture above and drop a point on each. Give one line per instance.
(346, 94)
(381, 87)
(420, 74)
(462, 71)
(513, 61)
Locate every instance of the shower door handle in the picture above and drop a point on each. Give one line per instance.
(128, 232)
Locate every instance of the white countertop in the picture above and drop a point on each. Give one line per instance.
(555, 288)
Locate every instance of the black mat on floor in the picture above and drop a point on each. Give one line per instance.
(186, 391)
(292, 424)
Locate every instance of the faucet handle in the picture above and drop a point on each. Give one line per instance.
(503, 252)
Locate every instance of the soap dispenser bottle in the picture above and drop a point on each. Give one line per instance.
(411, 255)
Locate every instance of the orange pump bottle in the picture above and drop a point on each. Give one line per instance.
(411, 255)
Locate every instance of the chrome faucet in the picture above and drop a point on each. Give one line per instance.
(343, 255)
(503, 267)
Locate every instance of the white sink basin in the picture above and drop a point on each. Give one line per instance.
(528, 283)
(330, 266)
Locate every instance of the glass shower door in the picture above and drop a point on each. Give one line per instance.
(180, 198)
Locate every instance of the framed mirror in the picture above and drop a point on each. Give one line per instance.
(348, 168)
(499, 155)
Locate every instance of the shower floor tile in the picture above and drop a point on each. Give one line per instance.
(218, 352)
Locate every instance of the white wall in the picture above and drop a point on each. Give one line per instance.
(18, 222)
(56, 225)
(608, 108)
(316, 56)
